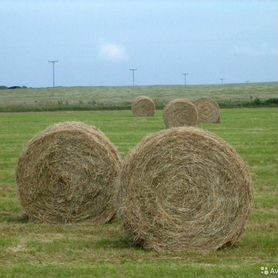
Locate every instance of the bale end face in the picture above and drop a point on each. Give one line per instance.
(69, 173)
(185, 189)
(208, 110)
(143, 107)
(180, 112)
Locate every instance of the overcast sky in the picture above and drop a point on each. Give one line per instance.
(96, 42)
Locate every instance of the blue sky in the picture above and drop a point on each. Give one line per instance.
(96, 42)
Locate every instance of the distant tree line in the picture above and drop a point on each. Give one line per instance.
(2, 87)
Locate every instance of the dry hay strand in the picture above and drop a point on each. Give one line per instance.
(208, 110)
(180, 112)
(184, 189)
(143, 107)
(69, 173)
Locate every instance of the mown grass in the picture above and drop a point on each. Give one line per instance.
(120, 98)
(83, 250)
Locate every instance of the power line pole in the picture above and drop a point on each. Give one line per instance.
(222, 80)
(185, 74)
(53, 70)
(133, 76)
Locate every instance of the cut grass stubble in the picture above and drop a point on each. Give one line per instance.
(84, 250)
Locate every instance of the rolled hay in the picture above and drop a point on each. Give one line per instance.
(208, 110)
(69, 173)
(184, 189)
(143, 107)
(180, 112)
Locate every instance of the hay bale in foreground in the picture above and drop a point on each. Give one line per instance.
(143, 107)
(180, 112)
(184, 189)
(69, 173)
(208, 110)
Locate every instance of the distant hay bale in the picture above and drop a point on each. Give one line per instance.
(69, 173)
(208, 110)
(180, 112)
(143, 107)
(184, 189)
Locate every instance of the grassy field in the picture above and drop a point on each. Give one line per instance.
(100, 98)
(83, 250)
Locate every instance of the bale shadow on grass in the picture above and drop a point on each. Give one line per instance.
(13, 217)
(228, 246)
(117, 243)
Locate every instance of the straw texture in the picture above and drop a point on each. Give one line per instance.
(208, 110)
(143, 107)
(180, 112)
(69, 173)
(184, 189)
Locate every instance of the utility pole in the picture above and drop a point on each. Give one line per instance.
(222, 80)
(185, 74)
(53, 70)
(133, 76)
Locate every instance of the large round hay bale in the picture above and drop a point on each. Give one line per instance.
(180, 112)
(69, 173)
(208, 110)
(184, 189)
(143, 107)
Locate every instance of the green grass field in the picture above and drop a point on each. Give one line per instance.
(111, 98)
(83, 250)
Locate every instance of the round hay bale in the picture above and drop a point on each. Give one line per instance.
(208, 110)
(69, 173)
(143, 107)
(180, 112)
(184, 189)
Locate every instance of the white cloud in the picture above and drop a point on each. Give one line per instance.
(112, 52)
